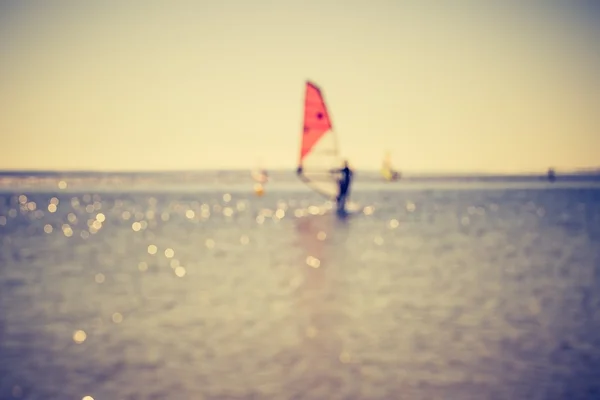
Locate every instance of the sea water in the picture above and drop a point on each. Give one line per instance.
(425, 293)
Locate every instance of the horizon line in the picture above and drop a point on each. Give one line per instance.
(5, 172)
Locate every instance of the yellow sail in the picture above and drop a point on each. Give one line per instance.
(387, 171)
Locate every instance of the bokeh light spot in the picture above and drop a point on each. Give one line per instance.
(313, 262)
(344, 357)
(67, 231)
(79, 336)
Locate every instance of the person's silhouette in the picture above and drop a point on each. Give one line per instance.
(344, 186)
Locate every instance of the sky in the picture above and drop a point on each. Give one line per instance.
(466, 86)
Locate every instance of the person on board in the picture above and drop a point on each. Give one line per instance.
(344, 186)
(551, 175)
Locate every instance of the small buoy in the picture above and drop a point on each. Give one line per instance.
(258, 189)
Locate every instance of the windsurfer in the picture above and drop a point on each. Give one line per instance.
(344, 186)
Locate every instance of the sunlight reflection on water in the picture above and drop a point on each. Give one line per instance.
(224, 295)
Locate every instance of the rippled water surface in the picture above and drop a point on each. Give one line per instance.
(422, 294)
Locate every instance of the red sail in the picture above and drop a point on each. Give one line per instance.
(316, 119)
(319, 153)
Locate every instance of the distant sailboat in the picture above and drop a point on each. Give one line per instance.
(387, 171)
(551, 175)
(260, 177)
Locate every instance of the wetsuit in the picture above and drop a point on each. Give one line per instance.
(344, 182)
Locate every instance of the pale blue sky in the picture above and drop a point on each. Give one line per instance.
(500, 87)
